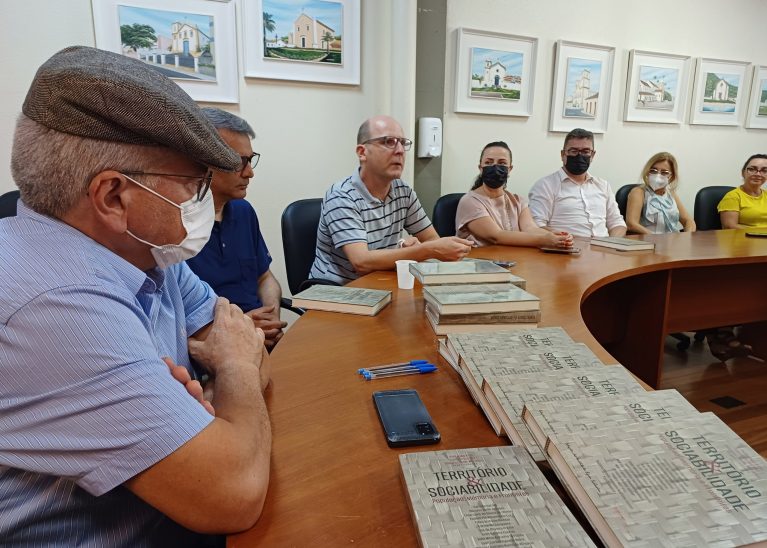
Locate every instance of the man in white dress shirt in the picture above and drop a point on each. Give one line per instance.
(573, 200)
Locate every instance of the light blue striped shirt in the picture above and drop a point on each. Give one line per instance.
(351, 214)
(85, 401)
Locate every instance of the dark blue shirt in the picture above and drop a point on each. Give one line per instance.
(235, 257)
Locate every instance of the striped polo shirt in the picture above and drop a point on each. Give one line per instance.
(351, 214)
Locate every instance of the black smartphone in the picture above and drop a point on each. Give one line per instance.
(404, 418)
(565, 250)
(756, 234)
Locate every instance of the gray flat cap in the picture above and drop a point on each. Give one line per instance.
(102, 95)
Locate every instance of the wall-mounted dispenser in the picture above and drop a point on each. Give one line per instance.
(429, 137)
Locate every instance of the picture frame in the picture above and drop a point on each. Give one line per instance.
(757, 105)
(194, 42)
(583, 75)
(495, 73)
(657, 87)
(312, 40)
(718, 92)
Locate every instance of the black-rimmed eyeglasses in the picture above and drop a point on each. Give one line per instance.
(203, 183)
(251, 160)
(579, 152)
(753, 170)
(391, 142)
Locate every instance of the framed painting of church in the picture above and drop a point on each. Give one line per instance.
(192, 42)
(583, 75)
(657, 87)
(495, 73)
(718, 95)
(757, 106)
(302, 40)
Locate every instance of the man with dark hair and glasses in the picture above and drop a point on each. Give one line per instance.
(235, 261)
(364, 216)
(573, 200)
(105, 438)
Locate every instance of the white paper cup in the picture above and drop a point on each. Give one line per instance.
(405, 280)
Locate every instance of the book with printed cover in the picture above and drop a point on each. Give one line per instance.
(523, 362)
(473, 298)
(508, 395)
(505, 341)
(495, 345)
(442, 329)
(622, 244)
(487, 496)
(687, 482)
(546, 419)
(459, 272)
(351, 300)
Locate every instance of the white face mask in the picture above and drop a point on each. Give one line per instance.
(197, 218)
(657, 181)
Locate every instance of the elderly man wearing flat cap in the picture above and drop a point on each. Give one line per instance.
(105, 439)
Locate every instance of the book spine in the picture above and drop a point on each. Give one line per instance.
(521, 316)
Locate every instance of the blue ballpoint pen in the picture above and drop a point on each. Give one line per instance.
(415, 371)
(391, 365)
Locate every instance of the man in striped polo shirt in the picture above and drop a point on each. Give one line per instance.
(364, 215)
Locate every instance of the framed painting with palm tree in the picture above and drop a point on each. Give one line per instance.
(190, 41)
(304, 40)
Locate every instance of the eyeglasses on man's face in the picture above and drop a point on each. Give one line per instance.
(391, 142)
(579, 152)
(753, 170)
(251, 160)
(203, 183)
(664, 172)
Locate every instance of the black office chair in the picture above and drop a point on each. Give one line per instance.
(704, 212)
(8, 203)
(707, 218)
(443, 217)
(622, 197)
(299, 240)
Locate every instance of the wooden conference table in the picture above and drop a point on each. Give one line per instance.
(334, 481)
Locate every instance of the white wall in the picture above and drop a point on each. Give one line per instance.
(707, 155)
(305, 132)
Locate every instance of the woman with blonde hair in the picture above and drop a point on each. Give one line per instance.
(654, 206)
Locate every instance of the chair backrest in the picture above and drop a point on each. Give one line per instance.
(299, 239)
(8, 203)
(622, 197)
(443, 217)
(705, 214)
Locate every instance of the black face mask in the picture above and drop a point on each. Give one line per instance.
(495, 176)
(578, 164)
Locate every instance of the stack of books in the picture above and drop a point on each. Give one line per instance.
(474, 295)
(480, 307)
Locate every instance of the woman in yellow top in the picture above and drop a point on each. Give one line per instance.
(746, 206)
(489, 214)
